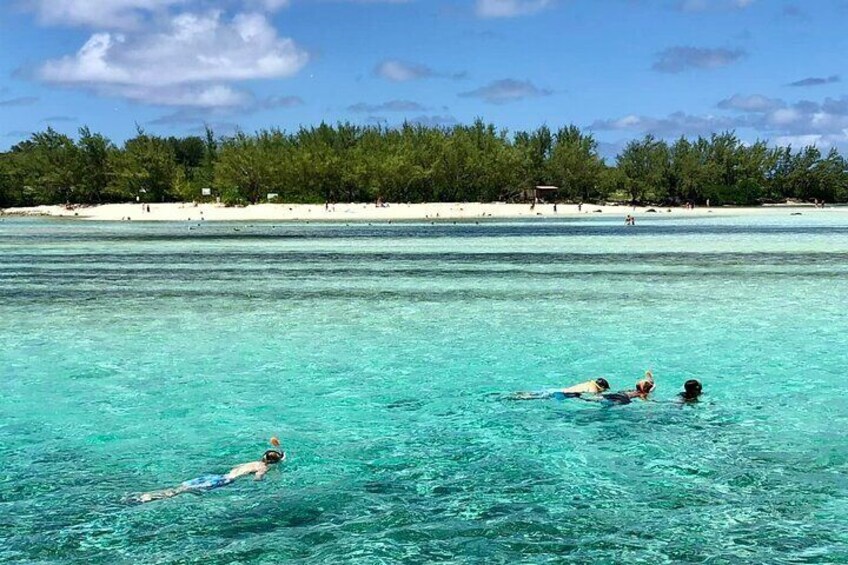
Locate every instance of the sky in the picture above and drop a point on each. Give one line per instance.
(767, 69)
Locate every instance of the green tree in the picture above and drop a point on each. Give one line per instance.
(94, 166)
(644, 165)
(146, 169)
(574, 164)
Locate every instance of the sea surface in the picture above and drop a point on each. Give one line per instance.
(135, 356)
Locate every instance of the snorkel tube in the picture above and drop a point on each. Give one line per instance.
(277, 454)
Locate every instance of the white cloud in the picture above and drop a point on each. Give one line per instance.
(678, 123)
(801, 123)
(99, 13)
(398, 71)
(192, 61)
(752, 103)
(681, 58)
(509, 8)
(506, 90)
(817, 139)
(130, 14)
(401, 71)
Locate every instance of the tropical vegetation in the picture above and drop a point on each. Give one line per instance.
(411, 163)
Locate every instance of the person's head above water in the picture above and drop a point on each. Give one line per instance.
(602, 384)
(272, 457)
(691, 390)
(644, 386)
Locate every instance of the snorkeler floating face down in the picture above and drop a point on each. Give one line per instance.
(210, 482)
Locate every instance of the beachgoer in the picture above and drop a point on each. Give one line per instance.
(209, 482)
(595, 386)
(580, 207)
(554, 207)
(691, 391)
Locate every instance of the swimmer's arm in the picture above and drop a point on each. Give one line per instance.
(260, 474)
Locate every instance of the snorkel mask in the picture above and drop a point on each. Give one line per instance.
(274, 456)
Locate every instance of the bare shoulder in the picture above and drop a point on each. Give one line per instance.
(245, 469)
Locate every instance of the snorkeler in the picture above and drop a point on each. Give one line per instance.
(644, 387)
(209, 482)
(691, 391)
(595, 386)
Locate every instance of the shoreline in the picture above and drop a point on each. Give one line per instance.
(177, 212)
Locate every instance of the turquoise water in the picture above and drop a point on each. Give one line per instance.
(136, 356)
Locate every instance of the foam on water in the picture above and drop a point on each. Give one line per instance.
(135, 356)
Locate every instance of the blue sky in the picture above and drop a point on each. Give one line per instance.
(769, 69)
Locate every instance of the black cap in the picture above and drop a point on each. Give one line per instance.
(692, 386)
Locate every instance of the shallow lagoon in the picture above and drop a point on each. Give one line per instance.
(136, 356)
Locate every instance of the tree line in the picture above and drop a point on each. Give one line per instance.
(411, 163)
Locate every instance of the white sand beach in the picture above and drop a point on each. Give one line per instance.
(175, 212)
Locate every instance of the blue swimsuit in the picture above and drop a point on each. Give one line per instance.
(207, 482)
(559, 395)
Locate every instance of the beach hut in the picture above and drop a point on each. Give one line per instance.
(545, 193)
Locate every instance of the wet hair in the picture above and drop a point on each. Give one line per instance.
(602, 383)
(692, 389)
(645, 386)
(272, 456)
